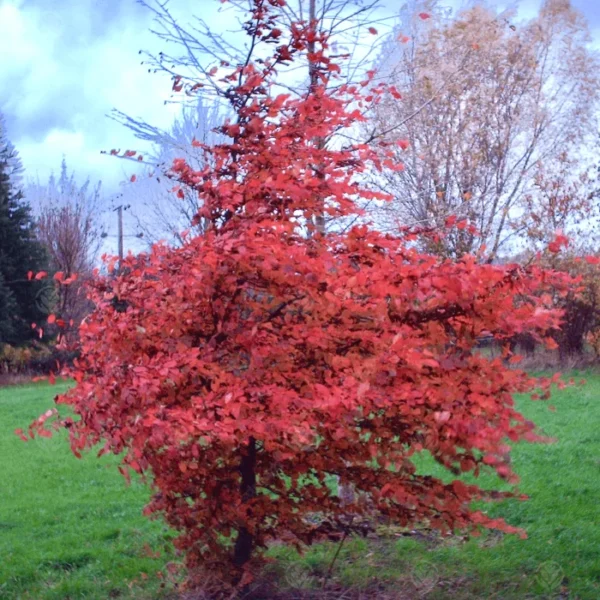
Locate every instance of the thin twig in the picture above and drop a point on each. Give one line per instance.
(335, 556)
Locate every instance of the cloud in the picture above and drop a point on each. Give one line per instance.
(65, 65)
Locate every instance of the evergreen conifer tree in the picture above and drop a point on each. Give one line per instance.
(21, 300)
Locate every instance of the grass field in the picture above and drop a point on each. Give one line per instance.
(69, 528)
(72, 529)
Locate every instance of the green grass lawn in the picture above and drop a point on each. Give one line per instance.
(562, 519)
(72, 528)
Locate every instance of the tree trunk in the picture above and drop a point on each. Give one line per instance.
(245, 540)
(313, 73)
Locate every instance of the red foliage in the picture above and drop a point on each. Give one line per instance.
(558, 242)
(245, 368)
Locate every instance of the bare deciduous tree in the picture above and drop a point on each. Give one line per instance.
(195, 51)
(69, 225)
(193, 55)
(485, 104)
(160, 213)
(565, 200)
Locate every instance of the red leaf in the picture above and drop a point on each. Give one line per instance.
(363, 388)
(460, 489)
(21, 434)
(558, 242)
(123, 470)
(443, 416)
(70, 280)
(397, 95)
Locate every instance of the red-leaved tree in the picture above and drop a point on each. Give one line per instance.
(246, 368)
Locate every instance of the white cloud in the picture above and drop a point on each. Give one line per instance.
(58, 82)
(65, 65)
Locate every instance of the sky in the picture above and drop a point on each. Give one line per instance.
(65, 64)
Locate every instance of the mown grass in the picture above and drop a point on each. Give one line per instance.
(562, 520)
(72, 529)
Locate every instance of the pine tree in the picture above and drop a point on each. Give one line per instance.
(20, 252)
(7, 307)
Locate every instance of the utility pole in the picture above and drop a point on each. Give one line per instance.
(119, 210)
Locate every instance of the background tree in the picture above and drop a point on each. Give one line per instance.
(581, 306)
(69, 219)
(8, 311)
(563, 215)
(20, 252)
(351, 29)
(159, 212)
(564, 198)
(566, 201)
(349, 26)
(485, 102)
(261, 361)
